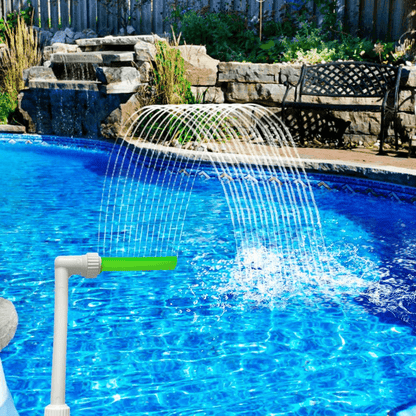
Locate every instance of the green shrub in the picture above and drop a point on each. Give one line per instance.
(295, 38)
(12, 20)
(224, 34)
(21, 52)
(7, 106)
(169, 76)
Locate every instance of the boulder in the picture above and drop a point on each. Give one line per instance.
(38, 72)
(58, 37)
(45, 37)
(409, 77)
(131, 30)
(247, 72)
(8, 322)
(109, 75)
(145, 69)
(111, 127)
(59, 48)
(145, 51)
(69, 33)
(89, 33)
(78, 35)
(200, 68)
(212, 94)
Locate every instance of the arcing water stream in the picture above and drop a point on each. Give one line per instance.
(270, 200)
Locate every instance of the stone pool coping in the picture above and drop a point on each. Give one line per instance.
(364, 170)
(383, 170)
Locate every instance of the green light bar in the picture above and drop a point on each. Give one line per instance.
(122, 264)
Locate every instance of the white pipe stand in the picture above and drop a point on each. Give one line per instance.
(89, 266)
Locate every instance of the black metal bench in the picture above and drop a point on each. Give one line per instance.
(349, 80)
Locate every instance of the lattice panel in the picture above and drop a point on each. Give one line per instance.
(349, 79)
(308, 125)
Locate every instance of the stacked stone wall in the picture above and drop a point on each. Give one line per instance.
(118, 66)
(264, 84)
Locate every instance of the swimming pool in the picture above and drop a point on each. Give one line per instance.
(189, 342)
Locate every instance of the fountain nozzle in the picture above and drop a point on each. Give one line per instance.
(89, 265)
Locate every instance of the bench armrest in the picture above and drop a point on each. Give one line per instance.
(290, 85)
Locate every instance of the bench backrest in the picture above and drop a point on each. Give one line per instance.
(349, 79)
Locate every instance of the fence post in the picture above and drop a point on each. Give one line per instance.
(146, 16)
(53, 4)
(158, 16)
(35, 12)
(92, 15)
(352, 16)
(135, 8)
(44, 14)
(102, 17)
(64, 13)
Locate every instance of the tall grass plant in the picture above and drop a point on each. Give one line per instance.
(22, 51)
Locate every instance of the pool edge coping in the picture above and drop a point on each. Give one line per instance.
(383, 173)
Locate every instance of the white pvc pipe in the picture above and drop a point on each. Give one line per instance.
(88, 266)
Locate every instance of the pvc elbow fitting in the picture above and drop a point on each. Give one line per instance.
(88, 265)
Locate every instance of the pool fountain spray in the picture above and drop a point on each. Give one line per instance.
(89, 265)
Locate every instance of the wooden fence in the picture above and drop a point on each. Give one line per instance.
(377, 19)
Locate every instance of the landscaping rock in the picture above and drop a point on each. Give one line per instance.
(38, 72)
(78, 35)
(144, 70)
(118, 40)
(265, 93)
(58, 37)
(131, 30)
(69, 33)
(8, 322)
(212, 95)
(111, 127)
(290, 73)
(48, 51)
(409, 77)
(145, 51)
(98, 57)
(45, 37)
(8, 128)
(246, 72)
(109, 75)
(200, 68)
(67, 112)
(213, 147)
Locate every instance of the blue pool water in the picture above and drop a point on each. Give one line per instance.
(192, 341)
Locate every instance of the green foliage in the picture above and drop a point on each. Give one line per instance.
(12, 18)
(21, 52)
(224, 34)
(196, 127)
(7, 107)
(295, 38)
(311, 46)
(169, 76)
